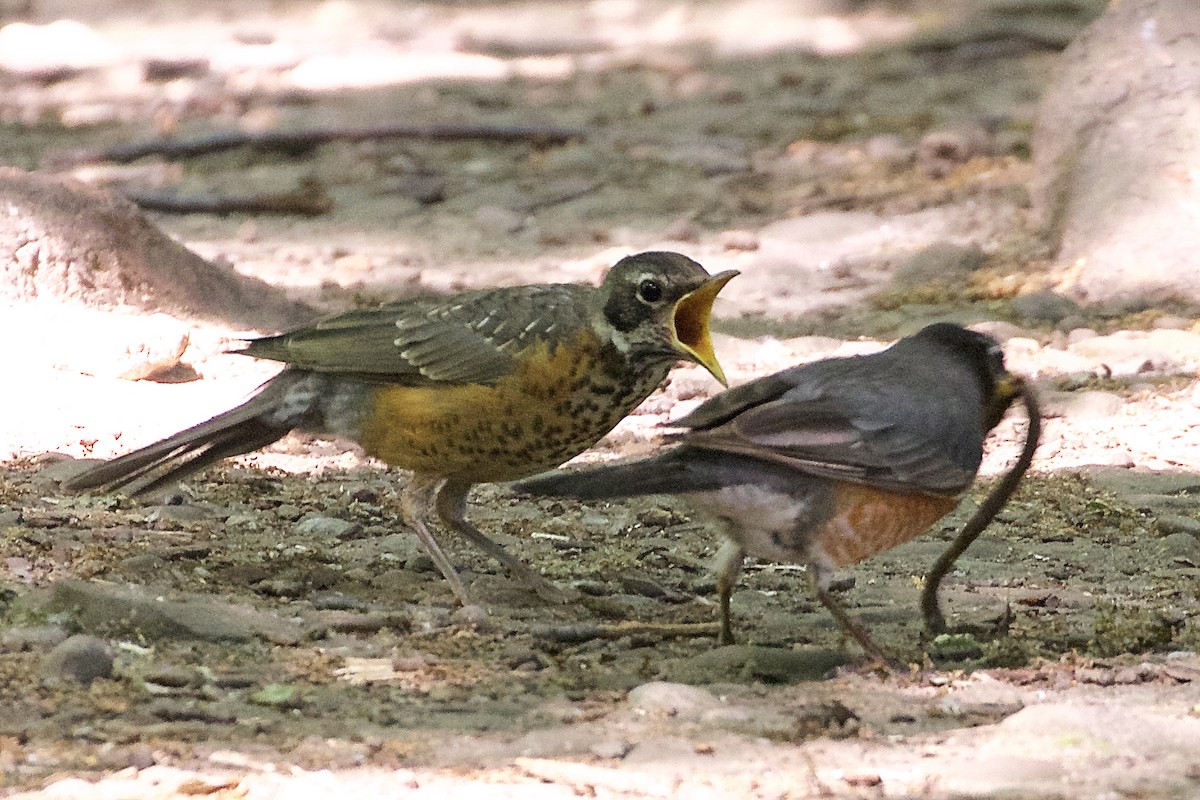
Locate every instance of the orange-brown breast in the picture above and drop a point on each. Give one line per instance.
(556, 404)
(867, 521)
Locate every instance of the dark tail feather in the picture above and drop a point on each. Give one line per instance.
(665, 474)
(239, 430)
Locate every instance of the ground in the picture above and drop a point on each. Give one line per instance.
(273, 627)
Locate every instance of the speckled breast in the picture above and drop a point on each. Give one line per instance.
(555, 404)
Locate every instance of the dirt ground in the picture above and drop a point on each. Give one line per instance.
(271, 627)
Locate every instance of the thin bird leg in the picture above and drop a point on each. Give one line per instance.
(729, 567)
(819, 577)
(416, 502)
(451, 504)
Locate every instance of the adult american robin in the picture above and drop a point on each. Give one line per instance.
(830, 462)
(483, 386)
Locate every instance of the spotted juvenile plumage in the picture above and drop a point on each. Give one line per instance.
(483, 386)
(830, 462)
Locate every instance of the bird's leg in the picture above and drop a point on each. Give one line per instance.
(820, 577)
(416, 502)
(729, 567)
(451, 505)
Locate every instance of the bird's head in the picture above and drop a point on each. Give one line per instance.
(657, 305)
(984, 354)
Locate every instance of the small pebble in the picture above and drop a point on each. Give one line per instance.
(1045, 306)
(672, 699)
(33, 637)
(82, 658)
(331, 527)
(421, 562)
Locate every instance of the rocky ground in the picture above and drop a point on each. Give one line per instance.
(272, 627)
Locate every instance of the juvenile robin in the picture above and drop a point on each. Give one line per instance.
(827, 463)
(483, 386)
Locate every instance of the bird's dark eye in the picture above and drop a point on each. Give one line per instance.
(650, 291)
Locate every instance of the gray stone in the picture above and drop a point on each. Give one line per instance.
(58, 469)
(1181, 545)
(331, 527)
(135, 612)
(1177, 523)
(638, 582)
(1123, 482)
(1044, 306)
(81, 658)
(1109, 137)
(672, 700)
(33, 637)
(1163, 503)
(71, 244)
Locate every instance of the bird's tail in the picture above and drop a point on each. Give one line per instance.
(261, 420)
(674, 472)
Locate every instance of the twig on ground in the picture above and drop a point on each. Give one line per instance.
(308, 199)
(575, 634)
(302, 141)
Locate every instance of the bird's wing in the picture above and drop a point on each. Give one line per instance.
(471, 338)
(863, 419)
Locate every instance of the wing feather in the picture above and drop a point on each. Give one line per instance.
(471, 339)
(861, 419)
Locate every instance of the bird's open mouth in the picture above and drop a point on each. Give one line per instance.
(690, 323)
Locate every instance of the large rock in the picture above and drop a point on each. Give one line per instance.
(1116, 145)
(138, 612)
(64, 240)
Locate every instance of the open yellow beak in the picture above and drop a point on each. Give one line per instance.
(689, 323)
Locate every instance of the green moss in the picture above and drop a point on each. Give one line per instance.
(1130, 630)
